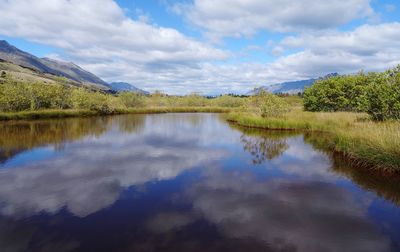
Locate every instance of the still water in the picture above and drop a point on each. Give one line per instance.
(185, 182)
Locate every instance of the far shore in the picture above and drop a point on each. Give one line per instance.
(64, 113)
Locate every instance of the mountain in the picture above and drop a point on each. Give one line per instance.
(126, 87)
(291, 87)
(11, 54)
(72, 71)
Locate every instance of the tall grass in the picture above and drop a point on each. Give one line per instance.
(354, 135)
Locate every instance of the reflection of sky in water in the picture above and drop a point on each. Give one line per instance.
(27, 157)
(185, 182)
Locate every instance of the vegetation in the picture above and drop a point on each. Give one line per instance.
(350, 114)
(270, 105)
(378, 94)
(37, 100)
(352, 134)
(348, 108)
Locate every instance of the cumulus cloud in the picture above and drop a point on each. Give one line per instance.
(99, 30)
(100, 37)
(369, 47)
(94, 32)
(247, 17)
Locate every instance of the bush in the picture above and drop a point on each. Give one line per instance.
(228, 101)
(132, 100)
(193, 100)
(16, 96)
(46, 96)
(384, 96)
(84, 99)
(340, 93)
(378, 94)
(268, 105)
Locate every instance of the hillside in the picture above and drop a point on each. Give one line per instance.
(45, 67)
(126, 87)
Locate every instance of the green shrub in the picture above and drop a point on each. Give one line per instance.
(267, 105)
(228, 101)
(14, 97)
(384, 96)
(340, 93)
(378, 94)
(84, 99)
(132, 100)
(46, 96)
(193, 100)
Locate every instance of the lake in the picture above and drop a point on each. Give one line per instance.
(185, 182)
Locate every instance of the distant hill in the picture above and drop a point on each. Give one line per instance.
(11, 54)
(291, 87)
(126, 87)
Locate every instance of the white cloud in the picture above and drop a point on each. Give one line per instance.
(97, 31)
(369, 47)
(97, 35)
(237, 17)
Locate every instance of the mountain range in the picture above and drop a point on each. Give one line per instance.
(32, 68)
(49, 69)
(126, 87)
(291, 87)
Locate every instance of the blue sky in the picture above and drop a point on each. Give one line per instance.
(208, 46)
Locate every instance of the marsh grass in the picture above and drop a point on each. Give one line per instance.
(354, 135)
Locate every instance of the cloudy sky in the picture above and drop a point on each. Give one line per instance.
(208, 46)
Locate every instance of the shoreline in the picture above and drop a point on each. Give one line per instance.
(355, 150)
(66, 113)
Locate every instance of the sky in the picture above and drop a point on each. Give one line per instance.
(208, 46)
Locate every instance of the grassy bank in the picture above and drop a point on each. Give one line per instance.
(64, 113)
(370, 144)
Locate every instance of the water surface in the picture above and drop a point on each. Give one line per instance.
(185, 182)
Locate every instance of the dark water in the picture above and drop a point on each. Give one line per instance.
(187, 182)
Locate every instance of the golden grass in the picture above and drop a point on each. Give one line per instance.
(374, 144)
